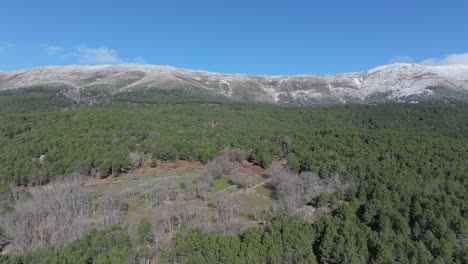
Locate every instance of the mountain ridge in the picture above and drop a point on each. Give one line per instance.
(388, 83)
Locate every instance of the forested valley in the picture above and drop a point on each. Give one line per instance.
(201, 181)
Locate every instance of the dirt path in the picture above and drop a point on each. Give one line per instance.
(228, 188)
(245, 190)
(260, 184)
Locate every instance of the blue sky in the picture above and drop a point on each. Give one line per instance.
(255, 37)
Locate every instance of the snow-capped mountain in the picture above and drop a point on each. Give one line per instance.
(396, 82)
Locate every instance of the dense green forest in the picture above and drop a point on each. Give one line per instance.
(407, 165)
(35, 147)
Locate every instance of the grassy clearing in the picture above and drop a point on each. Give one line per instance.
(106, 187)
(264, 191)
(251, 204)
(137, 210)
(256, 200)
(258, 179)
(126, 181)
(221, 184)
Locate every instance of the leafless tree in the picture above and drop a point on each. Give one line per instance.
(202, 190)
(294, 191)
(15, 194)
(336, 182)
(158, 192)
(112, 210)
(290, 190)
(227, 209)
(234, 155)
(132, 174)
(53, 216)
(288, 194)
(115, 140)
(215, 169)
(39, 179)
(190, 190)
(167, 218)
(279, 175)
(213, 123)
(154, 194)
(181, 213)
(172, 188)
(137, 158)
(243, 180)
(312, 185)
(158, 236)
(309, 214)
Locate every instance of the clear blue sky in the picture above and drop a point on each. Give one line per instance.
(256, 37)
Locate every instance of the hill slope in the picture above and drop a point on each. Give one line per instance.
(389, 83)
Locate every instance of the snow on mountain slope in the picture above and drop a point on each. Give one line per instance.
(396, 82)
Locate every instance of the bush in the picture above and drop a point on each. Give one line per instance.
(264, 160)
(105, 169)
(154, 163)
(293, 163)
(145, 232)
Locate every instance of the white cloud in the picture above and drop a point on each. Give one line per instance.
(53, 50)
(88, 55)
(461, 58)
(97, 55)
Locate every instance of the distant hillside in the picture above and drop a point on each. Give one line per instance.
(389, 83)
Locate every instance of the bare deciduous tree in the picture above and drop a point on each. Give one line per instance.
(228, 210)
(234, 155)
(190, 190)
(115, 140)
(336, 182)
(112, 210)
(243, 180)
(16, 194)
(312, 185)
(158, 192)
(288, 194)
(171, 186)
(156, 195)
(216, 168)
(158, 236)
(202, 190)
(53, 216)
(137, 158)
(295, 191)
